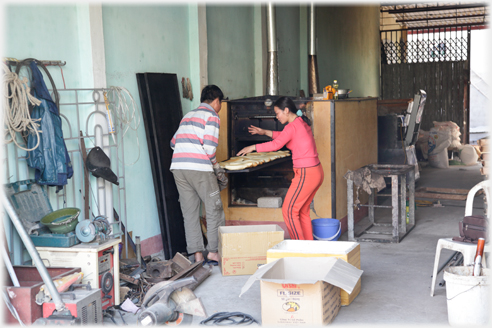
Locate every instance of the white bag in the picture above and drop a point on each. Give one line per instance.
(439, 141)
(468, 154)
(453, 129)
(423, 143)
(439, 160)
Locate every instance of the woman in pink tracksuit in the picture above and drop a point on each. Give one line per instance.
(308, 172)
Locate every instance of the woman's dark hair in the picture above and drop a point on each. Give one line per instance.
(286, 102)
(210, 92)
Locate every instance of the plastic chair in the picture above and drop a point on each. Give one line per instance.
(467, 249)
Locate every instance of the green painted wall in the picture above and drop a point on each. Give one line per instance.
(303, 48)
(231, 61)
(348, 48)
(159, 44)
(139, 39)
(48, 32)
(45, 32)
(288, 35)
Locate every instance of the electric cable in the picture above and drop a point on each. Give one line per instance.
(106, 313)
(121, 315)
(125, 114)
(16, 108)
(227, 318)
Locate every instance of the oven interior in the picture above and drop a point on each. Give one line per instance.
(274, 180)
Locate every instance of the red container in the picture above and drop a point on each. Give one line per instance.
(23, 297)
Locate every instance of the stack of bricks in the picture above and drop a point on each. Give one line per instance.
(484, 157)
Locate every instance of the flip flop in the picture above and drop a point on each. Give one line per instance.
(211, 262)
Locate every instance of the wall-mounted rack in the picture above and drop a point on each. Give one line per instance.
(14, 61)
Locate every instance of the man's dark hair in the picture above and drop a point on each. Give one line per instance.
(210, 92)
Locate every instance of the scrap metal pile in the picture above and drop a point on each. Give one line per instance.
(153, 284)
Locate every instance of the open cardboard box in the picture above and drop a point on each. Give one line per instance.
(243, 248)
(344, 250)
(302, 290)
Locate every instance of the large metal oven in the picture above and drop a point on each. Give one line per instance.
(345, 132)
(272, 179)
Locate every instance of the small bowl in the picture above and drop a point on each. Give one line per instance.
(61, 221)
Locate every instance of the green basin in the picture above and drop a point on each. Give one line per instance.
(62, 221)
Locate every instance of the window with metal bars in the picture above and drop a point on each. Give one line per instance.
(424, 45)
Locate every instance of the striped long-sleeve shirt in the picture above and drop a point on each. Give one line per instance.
(196, 140)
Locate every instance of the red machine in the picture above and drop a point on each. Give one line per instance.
(106, 277)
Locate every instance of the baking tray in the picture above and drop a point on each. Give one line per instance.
(261, 166)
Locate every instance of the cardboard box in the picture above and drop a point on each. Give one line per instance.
(243, 248)
(344, 250)
(302, 290)
(483, 144)
(483, 141)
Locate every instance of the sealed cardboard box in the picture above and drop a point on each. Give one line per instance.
(243, 248)
(344, 250)
(302, 290)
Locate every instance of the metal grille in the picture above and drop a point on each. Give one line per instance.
(85, 315)
(434, 14)
(424, 45)
(435, 60)
(78, 109)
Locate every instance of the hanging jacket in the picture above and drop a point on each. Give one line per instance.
(50, 160)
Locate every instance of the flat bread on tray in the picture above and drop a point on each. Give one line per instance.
(252, 160)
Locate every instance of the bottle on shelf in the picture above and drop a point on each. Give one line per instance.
(335, 86)
(478, 257)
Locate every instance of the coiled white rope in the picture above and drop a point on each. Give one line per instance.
(125, 114)
(16, 108)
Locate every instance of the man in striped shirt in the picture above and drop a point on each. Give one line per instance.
(197, 173)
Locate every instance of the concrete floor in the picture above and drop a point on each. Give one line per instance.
(397, 277)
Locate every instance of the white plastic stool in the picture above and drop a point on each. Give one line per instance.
(467, 249)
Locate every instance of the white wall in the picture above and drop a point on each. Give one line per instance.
(480, 78)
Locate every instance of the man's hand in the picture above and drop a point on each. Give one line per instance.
(221, 178)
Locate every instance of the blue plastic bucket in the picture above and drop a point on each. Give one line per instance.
(326, 229)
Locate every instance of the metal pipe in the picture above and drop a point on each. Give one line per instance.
(272, 28)
(446, 262)
(458, 262)
(137, 246)
(439, 18)
(313, 78)
(272, 69)
(433, 8)
(43, 272)
(382, 206)
(10, 268)
(312, 30)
